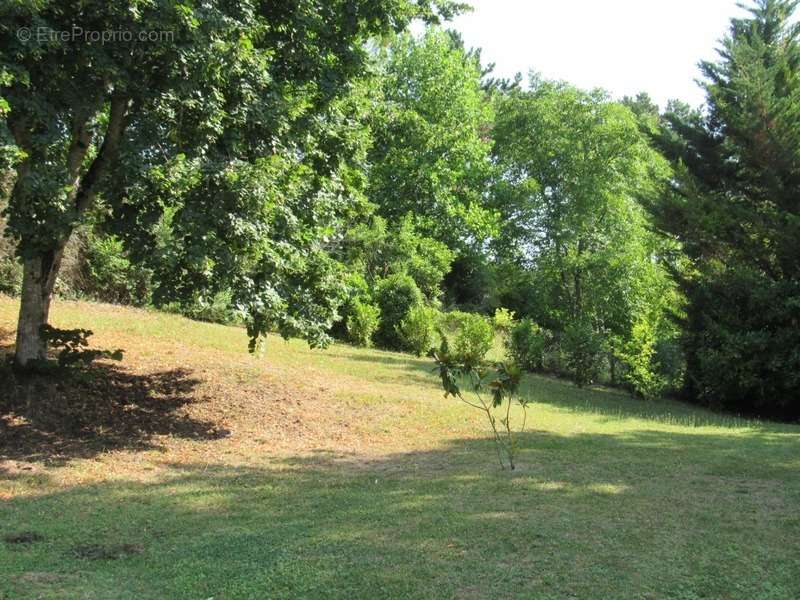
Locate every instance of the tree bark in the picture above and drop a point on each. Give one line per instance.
(40, 271)
(38, 282)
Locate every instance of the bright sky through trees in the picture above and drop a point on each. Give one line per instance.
(624, 46)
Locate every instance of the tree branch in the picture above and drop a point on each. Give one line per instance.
(81, 139)
(117, 120)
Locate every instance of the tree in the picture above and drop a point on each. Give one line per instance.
(430, 156)
(733, 205)
(217, 111)
(642, 105)
(572, 167)
(376, 251)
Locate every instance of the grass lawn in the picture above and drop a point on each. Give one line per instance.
(193, 470)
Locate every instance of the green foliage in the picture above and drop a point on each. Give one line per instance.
(257, 164)
(396, 296)
(363, 320)
(471, 337)
(526, 345)
(639, 356)
(579, 254)
(555, 360)
(418, 329)
(733, 207)
(583, 348)
(10, 267)
(742, 356)
(430, 156)
(502, 386)
(110, 276)
(425, 259)
(358, 292)
(244, 125)
(375, 250)
(472, 283)
(10, 275)
(266, 250)
(504, 320)
(216, 309)
(671, 362)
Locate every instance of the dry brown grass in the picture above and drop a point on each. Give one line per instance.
(173, 401)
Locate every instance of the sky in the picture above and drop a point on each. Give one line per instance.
(623, 46)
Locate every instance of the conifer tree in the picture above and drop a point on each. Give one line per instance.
(734, 204)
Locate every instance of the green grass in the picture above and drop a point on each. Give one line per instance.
(614, 498)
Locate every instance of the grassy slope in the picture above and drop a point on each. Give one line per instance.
(345, 474)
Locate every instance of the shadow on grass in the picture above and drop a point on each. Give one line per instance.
(59, 416)
(646, 514)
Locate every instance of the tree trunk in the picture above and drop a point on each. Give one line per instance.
(40, 271)
(38, 281)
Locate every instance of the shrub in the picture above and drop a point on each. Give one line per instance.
(418, 329)
(215, 309)
(425, 259)
(472, 283)
(358, 292)
(396, 296)
(639, 358)
(72, 281)
(451, 321)
(671, 363)
(472, 339)
(583, 348)
(362, 321)
(504, 320)
(526, 345)
(555, 360)
(110, 276)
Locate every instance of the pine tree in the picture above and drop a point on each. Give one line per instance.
(734, 204)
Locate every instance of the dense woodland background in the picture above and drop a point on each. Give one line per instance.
(320, 172)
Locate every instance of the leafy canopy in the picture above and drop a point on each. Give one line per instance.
(430, 156)
(235, 128)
